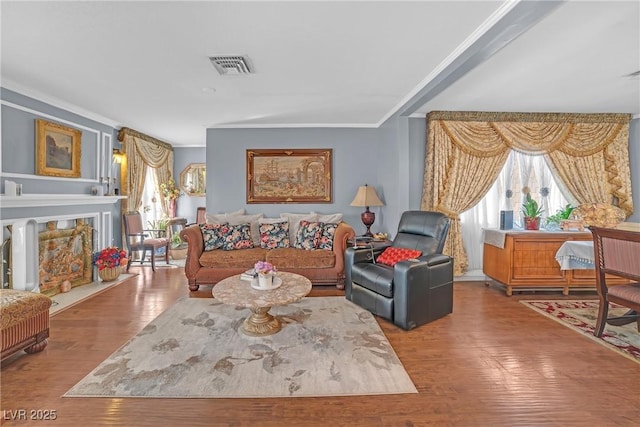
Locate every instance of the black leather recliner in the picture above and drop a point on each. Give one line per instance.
(408, 294)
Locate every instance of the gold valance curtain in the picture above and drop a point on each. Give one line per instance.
(143, 151)
(588, 153)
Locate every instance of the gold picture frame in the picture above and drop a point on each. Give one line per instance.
(289, 176)
(57, 150)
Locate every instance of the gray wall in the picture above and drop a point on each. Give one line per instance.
(18, 115)
(359, 156)
(183, 156)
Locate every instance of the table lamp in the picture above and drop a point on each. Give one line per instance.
(367, 196)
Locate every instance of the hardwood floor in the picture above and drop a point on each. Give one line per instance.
(493, 362)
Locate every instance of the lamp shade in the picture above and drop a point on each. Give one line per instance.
(366, 196)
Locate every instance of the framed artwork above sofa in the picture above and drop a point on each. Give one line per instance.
(289, 176)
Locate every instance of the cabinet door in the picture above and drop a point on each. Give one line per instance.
(534, 261)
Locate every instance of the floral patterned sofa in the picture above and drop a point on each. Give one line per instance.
(231, 244)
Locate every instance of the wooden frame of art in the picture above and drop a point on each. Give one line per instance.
(289, 176)
(57, 150)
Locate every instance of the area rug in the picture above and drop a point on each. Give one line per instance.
(327, 347)
(581, 316)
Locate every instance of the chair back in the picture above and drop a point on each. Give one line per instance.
(132, 223)
(616, 252)
(201, 215)
(422, 230)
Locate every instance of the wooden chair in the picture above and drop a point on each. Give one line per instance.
(137, 239)
(616, 253)
(201, 213)
(201, 216)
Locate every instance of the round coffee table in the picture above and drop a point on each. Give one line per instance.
(237, 292)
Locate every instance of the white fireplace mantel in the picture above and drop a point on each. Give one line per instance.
(40, 200)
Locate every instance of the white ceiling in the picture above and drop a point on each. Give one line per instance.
(145, 64)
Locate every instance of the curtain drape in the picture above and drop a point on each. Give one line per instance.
(466, 151)
(142, 152)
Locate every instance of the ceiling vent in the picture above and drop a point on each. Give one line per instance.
(231, 65)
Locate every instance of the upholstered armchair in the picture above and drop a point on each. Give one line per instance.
(409, 292)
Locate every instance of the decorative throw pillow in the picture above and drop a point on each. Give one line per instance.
(213, 235)
(392, 255)
(237, 237)
(325, 241)
(274, 233)
(294, 222)
(222, 218)
(252, 220)
(308, 235)
(332, 218)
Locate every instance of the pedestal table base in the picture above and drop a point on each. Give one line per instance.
(261, 323)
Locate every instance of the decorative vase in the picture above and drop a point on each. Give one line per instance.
(265, 281)
(531, 223)
(172, 208)
(109, 274)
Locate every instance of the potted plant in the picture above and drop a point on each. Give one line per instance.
(158, 228)
(554, 221)
(531, 212)
(178, 249)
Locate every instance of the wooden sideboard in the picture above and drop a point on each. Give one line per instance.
(528, 261)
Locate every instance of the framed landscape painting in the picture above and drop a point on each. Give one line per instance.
(57, 150)
(289, 176)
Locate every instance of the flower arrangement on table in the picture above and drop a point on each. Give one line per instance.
(169, 190)
(110, 257)
(265, 268)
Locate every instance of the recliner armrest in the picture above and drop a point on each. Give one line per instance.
(434, 259)
(424, 269)
(362, 254)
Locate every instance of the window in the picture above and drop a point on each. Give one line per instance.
(520, 170)
(151, 209)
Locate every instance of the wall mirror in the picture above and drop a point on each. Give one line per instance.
(193, 179)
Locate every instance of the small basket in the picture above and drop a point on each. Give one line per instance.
(109, 274)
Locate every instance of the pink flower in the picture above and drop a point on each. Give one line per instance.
(264, 267)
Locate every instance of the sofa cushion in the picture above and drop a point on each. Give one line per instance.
(223, 217)
(274, 233)
(332, 218)
(308, 235)
(252, 220)
(325, 241)
(287, 258)
(237, 237)
(294, 223)
(213, 235)
(393, 255)
(245, 258)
